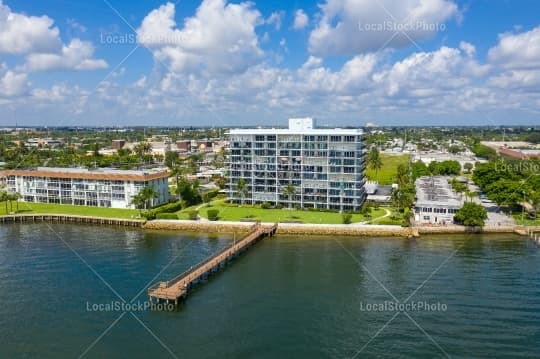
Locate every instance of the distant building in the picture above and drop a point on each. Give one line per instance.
(44, 142)
(522, 154)
(184, 145)
(118, 144)
(436, 201)
(83, 187)
(325, 166)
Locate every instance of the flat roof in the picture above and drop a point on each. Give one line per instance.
(286, 131)
(95, 174)
(435, 191)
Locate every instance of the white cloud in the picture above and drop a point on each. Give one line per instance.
(220, 37)
(75, 56)
(276, 19)
(20, 34)
(12, 84)
(355, 26)
(301, 20)
(517, 50)
(75, 25)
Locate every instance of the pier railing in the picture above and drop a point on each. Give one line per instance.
(252, 229)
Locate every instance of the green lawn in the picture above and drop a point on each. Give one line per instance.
(233, 213)
(389, 168)
(526, 221)
(50, 208)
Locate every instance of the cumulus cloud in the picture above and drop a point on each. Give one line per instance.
(20, 34)
(355, 26)
(517, 50)
(12, 84)
(301, 19)
(37, 39)
(77, 55)
(220, 37)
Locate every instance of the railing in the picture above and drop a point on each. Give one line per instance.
(253, 229)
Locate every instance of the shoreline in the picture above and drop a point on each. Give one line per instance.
(360, 230)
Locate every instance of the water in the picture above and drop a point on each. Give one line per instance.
(288, 297)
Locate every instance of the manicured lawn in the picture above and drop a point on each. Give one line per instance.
(49, 208)
(388, 171)
(232, 213)
(526, 221)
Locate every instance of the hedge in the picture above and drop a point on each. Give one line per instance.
(168, 208)
(170, 216)
(213, 214)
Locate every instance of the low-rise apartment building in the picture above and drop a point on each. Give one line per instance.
(85, 187)
(436, 201)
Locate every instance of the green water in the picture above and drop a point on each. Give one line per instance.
(287, 298)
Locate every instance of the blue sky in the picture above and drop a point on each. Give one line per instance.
(221, 63)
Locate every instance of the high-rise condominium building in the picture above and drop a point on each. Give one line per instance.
(300, 166)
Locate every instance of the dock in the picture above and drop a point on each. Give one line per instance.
(177, 288)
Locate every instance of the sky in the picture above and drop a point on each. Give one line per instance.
(258, 63)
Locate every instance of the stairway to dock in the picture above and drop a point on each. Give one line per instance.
(177, 288)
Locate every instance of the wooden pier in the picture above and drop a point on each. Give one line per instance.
(62, 218)
(177, 288)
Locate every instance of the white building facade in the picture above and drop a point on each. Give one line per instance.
(324, 166)
(436, 201)
(83, 187)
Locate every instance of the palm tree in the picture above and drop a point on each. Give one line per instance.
(148, 193)
(289, 191)
(14, 197)
(139, 202)
(374, 161)
(470, 194)
(241, 188)
(142, 148)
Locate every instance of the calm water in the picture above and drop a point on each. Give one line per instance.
(288, 298)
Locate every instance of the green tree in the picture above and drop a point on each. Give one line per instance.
(148, 194)
(419, 169)
(289, 191)
(374, 161)
(241, 189)
(468, 167)
(139, 202)
(471, 214)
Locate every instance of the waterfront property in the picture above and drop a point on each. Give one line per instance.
(85, 187)
(436, 202)
(300, 166)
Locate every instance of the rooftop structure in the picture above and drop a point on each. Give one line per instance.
(436, 201)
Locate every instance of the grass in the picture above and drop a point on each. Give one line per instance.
(526, 221)
(388, 171)
(51, 208)
(255, 213)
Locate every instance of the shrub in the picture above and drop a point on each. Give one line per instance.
(208, 196)
(346, 218)
(168, 216)
(193, 214)
(213, 214)
(265, 205)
